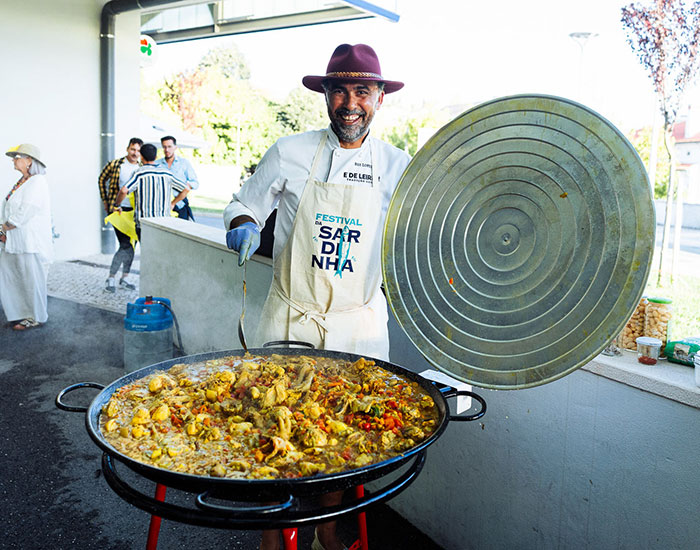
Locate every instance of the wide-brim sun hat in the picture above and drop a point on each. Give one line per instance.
(26, 149)
(358, 62)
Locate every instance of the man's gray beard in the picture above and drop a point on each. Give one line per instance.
(349, 135)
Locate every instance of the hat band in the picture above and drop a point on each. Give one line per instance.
(354, 74)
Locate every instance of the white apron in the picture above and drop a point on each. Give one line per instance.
(326, 286)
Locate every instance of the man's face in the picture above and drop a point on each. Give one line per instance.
(132, 153)
(169, 148)
(351, 107)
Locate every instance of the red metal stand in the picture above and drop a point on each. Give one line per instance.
(154, 527)
(289, 536)
(363, 542)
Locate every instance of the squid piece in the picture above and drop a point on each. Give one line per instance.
(280, 446)
(284, 421)
(305, 378)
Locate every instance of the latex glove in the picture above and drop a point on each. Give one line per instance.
(244, 239)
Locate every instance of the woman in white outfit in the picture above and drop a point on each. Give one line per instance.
(25, 241)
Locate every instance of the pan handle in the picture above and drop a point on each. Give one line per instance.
(467, 417)
(232, 510)
(287, 343)
(61, 405)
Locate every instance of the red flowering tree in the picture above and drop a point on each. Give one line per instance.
(665, 35)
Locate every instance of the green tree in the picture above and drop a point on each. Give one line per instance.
(237, 120)
(301, 111)
(404, 131)
(641, 139)
(229, 60)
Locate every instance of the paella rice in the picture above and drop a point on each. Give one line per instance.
(267, 417)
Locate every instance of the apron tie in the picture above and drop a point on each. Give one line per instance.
(319, 318)
(306, 314)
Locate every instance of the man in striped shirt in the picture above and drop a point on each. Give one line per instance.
(152, 186)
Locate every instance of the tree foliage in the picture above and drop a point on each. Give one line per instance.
(641, 139)
(665, 35)
(302, 110)
(229, 60)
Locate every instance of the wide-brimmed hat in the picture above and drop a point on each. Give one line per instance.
(358, 62)
(26, 149)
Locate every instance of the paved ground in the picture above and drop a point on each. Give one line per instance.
(52, 492)
(83, 281)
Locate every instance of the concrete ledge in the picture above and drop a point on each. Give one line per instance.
(666, 379)
(197, 232)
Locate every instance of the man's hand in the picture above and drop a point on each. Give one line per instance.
(244, 239)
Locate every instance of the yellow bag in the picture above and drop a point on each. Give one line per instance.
(124, 221)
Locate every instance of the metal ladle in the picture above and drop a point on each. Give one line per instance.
(241, 333)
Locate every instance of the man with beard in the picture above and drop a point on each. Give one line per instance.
(331, 189)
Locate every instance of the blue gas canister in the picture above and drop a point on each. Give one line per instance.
(148, 333)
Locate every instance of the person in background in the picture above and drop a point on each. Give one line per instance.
(112, 178)
(182, 169)
(332, 189)
(152, 186)
(25, 241)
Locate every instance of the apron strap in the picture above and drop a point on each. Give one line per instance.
(317, 157)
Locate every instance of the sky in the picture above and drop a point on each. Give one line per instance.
(461, 53)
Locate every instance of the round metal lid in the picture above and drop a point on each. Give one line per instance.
(518, 241)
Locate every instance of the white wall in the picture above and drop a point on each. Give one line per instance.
(49, 96)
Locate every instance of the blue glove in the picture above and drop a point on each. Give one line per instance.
(244, 239)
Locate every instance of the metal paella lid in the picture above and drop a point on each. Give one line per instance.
(518, 241)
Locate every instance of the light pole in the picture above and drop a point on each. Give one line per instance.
(581, 38)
